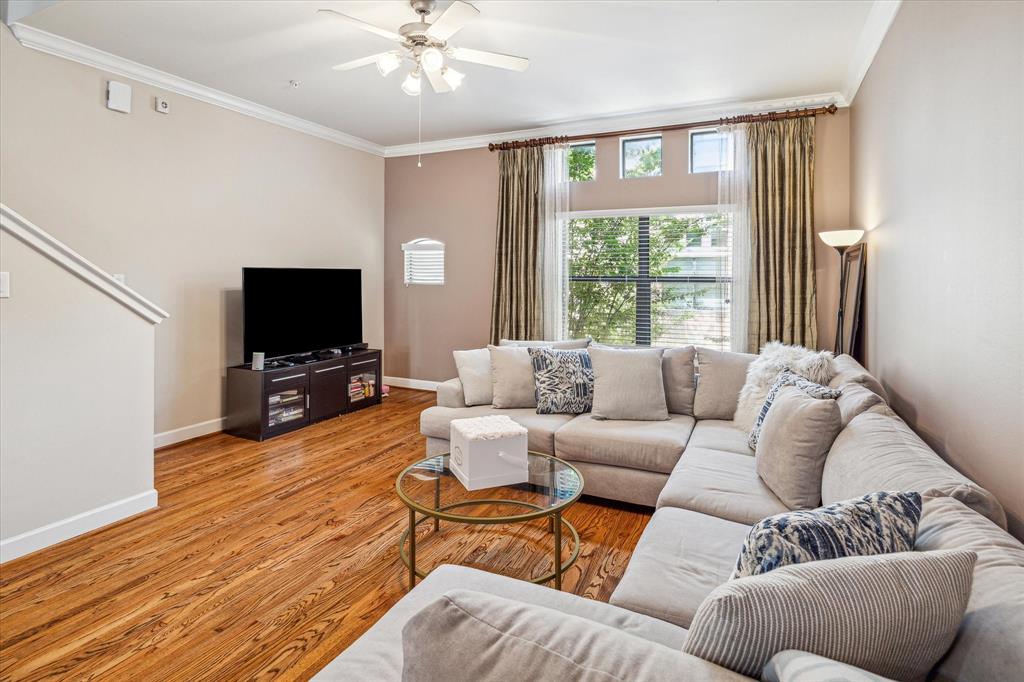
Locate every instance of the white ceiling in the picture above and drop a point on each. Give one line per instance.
(588, 59)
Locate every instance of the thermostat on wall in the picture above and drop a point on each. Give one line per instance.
(119, 97)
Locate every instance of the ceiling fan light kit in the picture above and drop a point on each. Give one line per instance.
(426, 46)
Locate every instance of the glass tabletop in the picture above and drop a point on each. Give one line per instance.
(428, 486)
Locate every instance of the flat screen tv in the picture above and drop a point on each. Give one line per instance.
(288, 311)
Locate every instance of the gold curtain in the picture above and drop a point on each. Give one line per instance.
(782, 286)
(516, 300)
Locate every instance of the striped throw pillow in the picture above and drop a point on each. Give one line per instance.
(892, 614)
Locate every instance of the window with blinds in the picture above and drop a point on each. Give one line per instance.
(649, 280)
(424, 262)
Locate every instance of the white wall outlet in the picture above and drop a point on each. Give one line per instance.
(119, 278)
(161, 105)
(5, 285)
(119, 97)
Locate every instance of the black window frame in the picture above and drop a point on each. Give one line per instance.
(588, 143)
(637, 138)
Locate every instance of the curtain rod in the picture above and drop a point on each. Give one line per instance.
(729, 120)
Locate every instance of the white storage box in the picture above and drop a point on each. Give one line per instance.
(488, 452)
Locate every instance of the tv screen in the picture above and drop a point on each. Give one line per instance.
(297, 310)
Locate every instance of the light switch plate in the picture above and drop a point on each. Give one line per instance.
(119, 97)
(5, 285)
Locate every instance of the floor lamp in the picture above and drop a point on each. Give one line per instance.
(841, 240)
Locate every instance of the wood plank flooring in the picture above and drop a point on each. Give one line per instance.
(264, 560)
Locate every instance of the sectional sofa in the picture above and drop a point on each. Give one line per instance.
(698, 472)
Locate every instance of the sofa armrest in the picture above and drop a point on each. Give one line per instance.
(800, 666)
(449, 393)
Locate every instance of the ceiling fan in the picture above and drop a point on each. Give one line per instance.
(426, 46)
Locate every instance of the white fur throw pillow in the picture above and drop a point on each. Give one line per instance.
(775, 357)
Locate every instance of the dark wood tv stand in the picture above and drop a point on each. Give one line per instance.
(268, 403)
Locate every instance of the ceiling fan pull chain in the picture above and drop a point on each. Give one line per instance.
(419, 131)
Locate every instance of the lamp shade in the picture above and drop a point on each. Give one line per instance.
(841, 238)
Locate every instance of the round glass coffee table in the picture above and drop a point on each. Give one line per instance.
(430, 489)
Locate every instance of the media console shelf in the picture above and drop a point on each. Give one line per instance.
(267, 403)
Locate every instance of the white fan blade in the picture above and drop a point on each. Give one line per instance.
(495, 59)
(356, 63)
(451, 22)
(436, 82)
(382, 32)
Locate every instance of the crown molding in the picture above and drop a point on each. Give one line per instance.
(63, 255)
(104, 61)
(603, 124)
(880, 18)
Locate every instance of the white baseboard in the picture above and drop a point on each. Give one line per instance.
(65, 529)
(419, 384)
(186, 432)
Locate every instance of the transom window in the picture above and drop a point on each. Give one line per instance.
(582, 161)
(661, 279)
(710, 151)
(640, 156)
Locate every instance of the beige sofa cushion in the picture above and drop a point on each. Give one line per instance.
(990, 641)
(512, 377)
(377, 655)
(849, 370)
(465, 635)
(721, 484)
(799, 666)
(628, 384)
(878, 451)
(795, 438)
(681, 553)
(474, 367)
(721, 376)
(677, 367)
(891, 614)
(647, 445)
(435, 422)
(854, 400)
(718, 434)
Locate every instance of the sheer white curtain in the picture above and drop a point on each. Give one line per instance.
(734, 199)
(554, 280)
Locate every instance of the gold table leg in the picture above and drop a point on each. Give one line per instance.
(412, 548)
(557, 518)
(437, 502)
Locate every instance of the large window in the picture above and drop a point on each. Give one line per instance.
(649, 279)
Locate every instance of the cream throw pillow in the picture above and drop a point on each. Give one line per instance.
(891, 614)
(721, 375)
(628, 384)
(512, 377)
(474, 367)
(796, 435)
(678, 370)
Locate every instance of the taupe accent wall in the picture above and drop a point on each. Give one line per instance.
(454, 198)
(179, 203)
(937, 147)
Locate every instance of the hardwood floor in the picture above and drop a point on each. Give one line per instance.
(264, 560)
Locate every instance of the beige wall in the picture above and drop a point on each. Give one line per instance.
(457, 203)
(76, 404)
(180, 203)
(937, 149)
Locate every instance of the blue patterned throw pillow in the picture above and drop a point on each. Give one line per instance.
(788, 378)
(564, 380)
(878, 523)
